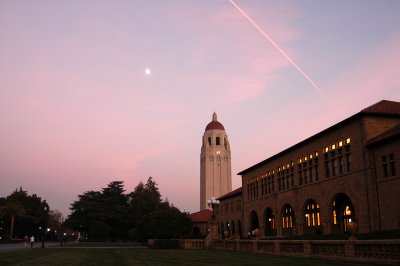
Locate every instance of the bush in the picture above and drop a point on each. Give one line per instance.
(164, 244)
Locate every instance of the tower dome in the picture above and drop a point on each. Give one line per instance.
(214, 124)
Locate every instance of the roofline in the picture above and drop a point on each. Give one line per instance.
(360, 114)
(231, 194)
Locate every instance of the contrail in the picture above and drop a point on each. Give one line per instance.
(284, 54)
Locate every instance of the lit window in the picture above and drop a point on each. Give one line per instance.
(333, 146)
(312, 214)
(316, 154)
(340, 143)
(326, 149)
(347, 141)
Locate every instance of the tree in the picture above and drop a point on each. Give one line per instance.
(165, 224)
(145, 199)
(12, 210)
(103, 215)
(30, 212)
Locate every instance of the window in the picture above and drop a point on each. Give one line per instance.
(263, 185)
(209, 140)
(341, 165)
(312, 214)
(334, 167)
(270, 183)
(336, 163)
(385, 166)
(348, 162)
(388, 165)
(308, 168)
(252, 188)
(392, 164)
(288, 217)
(238, 205)
(217, 141)
(334, 214)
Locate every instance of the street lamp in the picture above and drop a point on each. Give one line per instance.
(212, 203)
(45, 209)
(62, 232)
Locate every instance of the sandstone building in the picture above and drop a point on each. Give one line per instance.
(345, 173)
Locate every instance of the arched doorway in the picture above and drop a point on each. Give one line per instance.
(342, 213)
(269, 222)
(288, 221)
(312, 218)
(196, 232)
(233, 228)
(254, 224)
(239, 228)
(228, 228)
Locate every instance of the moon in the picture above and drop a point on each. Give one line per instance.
(147, 71)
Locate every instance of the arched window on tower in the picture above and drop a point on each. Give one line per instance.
(209, 141)
(217, 141)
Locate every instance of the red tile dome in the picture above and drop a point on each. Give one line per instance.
(214, 124)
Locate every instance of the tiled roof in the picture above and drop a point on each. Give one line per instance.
(214, 125)
(201, 216)
(231, 194)
(388, 134)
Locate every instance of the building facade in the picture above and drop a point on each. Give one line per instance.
(215, 163)
(346, 173)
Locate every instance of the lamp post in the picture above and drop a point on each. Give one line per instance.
(45, 209)
(213, 203)
(62, 232)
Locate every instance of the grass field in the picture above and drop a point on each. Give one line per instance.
(87, 256)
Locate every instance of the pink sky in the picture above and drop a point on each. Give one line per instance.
(78, 111)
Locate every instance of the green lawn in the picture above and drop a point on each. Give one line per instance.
(138, 256)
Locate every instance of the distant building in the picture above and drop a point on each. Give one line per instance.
(345, 173)
(201, 222)
(215, 163)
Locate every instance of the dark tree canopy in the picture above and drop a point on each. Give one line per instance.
(103, 215)
(165, 224)
(23, 214)
(110, 214)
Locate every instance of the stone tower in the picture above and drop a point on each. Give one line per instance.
(215, 163)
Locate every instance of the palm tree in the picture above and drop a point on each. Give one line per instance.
(12, 209)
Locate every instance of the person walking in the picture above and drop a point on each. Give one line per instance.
(32, 241)
(26, 241)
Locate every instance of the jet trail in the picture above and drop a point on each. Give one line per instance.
(284, 54)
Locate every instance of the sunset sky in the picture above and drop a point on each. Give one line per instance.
(78, 110)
